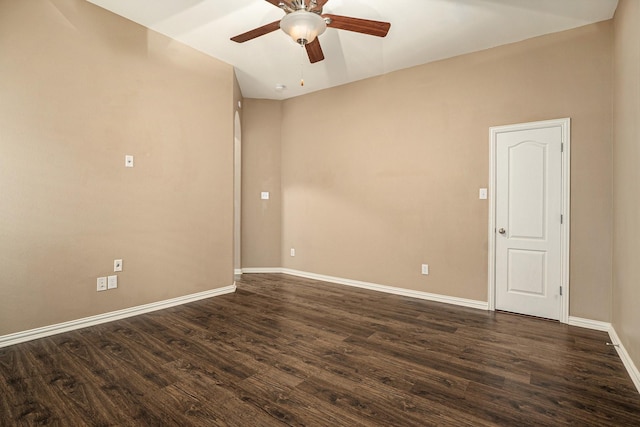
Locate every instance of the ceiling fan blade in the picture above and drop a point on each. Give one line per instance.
(314, 51)
(364, 26)
(256, 32)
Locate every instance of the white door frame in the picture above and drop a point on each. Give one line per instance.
(565, 124)
(237, 195)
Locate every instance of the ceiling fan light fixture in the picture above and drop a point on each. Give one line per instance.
(303, 26)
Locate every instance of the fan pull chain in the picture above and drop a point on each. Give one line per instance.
(302, 65)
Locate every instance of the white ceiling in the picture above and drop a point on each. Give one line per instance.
(421, 31)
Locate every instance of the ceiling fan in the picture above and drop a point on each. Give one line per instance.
(304, 22)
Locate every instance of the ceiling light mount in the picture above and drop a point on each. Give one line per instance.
(282, 5)
(295, 5)
(299, 4)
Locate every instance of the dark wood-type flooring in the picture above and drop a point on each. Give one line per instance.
(290, 351)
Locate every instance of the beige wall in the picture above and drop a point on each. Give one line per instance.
(80, 88)
(382, 175)
(626, 177)
(261, 219)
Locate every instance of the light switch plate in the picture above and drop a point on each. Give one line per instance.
(128, 161)
(264, 195)
(483, 193)
(112, 282)
(117, 265)
(425, 269)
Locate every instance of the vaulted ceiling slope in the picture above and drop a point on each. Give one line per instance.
(421, 31)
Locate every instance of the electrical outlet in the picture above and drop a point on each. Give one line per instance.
(101, 284)
(293, 252)
(112, 282)
(425, 269)
(264, 195)
(117, 265)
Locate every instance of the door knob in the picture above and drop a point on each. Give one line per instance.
(502, 231)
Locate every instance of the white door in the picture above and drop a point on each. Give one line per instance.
(528, 219)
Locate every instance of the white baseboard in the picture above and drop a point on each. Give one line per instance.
(622, 352)
(266, 270)
(590, 324)
(237, 271)
(45, 331)
(481, 305)
(626, 359)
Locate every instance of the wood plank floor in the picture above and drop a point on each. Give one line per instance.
(290, 351)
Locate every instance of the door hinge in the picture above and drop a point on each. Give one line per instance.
(561, 219)
(562, 147)
(560, 290)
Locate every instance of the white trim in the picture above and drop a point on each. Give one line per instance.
(626, 359)
(265, 270)
(589, 324)
(45, 331)
(565, 124)
(237, 271)
(481, 305)
(565, 243)
(622, 352)
(491, 293)
(237, 191)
